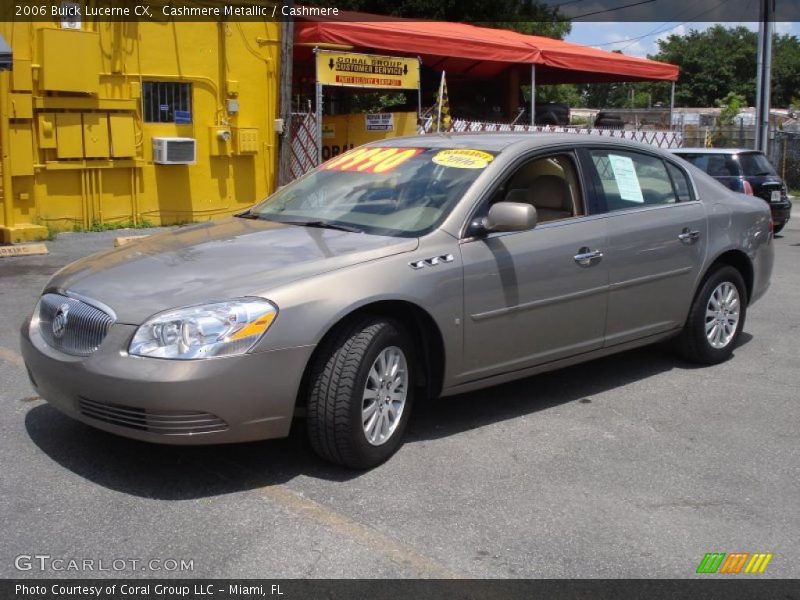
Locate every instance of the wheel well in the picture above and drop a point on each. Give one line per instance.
(739, 261)
(425, 333)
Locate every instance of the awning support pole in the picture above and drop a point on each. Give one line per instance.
(318, 109)
(671, 104)
(318, 96)
(533, 95)
(419, 93)
(439, 104)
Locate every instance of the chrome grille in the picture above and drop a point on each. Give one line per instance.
(72, 326)
(166, 422)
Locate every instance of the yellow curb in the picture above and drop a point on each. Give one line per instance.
(23, 250)
(127, 239)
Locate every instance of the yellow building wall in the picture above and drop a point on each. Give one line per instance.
(77, 152)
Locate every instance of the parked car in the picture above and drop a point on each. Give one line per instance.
(607, 120)
(552, 113)
(746, 171)
(397, 272)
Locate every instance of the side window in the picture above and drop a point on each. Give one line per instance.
(632, 180)
(681, 181)
(549, 183)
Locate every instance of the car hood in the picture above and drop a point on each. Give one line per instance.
(216, 261)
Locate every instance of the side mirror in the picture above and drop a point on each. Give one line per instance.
(510, 216)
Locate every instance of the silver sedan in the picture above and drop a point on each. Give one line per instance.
(395, 273)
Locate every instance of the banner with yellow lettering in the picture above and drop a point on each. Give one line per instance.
(350, 69)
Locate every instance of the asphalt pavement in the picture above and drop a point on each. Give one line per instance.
(634, 465)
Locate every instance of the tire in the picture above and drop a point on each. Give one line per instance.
(699, 341)
(340, 381)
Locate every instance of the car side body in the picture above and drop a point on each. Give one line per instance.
(478, 308)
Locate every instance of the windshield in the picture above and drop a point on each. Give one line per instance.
(403, 192)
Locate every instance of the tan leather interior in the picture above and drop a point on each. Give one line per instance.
(552, 188)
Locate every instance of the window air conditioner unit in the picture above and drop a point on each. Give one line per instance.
(174, 150)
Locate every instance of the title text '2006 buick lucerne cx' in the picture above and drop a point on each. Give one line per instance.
(397, 272)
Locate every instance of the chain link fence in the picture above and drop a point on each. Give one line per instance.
(784, 153)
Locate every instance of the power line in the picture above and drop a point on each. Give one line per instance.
(607, 10)
(560, 4)
(658, 29)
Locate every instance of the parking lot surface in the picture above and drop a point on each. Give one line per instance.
(634, 465)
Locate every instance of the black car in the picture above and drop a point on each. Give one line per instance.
(746, 171)
(552, 113)
(607, 120)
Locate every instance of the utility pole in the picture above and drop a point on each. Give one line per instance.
(285, 102)
(764, 73)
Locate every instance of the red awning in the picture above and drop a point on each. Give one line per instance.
(481, 52)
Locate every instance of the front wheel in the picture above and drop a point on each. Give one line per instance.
(716, 318)
(360, 393)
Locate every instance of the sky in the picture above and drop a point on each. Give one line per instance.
(623, 35)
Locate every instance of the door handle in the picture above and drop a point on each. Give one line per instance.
(689, 236)
(587, 257)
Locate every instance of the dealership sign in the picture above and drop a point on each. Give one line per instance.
(350, 69)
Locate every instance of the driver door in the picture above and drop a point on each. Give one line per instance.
(532, 297)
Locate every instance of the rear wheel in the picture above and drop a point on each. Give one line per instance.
(716, 318)
(360, 393)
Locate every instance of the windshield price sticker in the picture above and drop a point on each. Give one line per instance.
(463, 158)
(371, 160)
(627, 180)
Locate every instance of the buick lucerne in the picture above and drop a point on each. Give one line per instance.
(397, 272)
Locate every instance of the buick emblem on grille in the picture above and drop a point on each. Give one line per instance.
(60, 321)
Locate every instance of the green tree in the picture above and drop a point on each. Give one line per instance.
(785, 70)
(730, 106)
(723, 59)
(712, 62)
(565, 93)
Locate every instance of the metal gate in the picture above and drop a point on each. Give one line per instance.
(304, 144)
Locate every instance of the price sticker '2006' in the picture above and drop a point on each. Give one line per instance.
(371, 160)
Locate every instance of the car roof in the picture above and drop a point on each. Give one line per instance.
(499, 141)
(715, 151)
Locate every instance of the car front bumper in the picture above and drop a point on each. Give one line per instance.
(220, 400)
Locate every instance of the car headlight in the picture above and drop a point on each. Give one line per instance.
(218, 329)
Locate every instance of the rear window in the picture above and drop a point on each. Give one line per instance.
(716, 165)
(754, 164)
(748, 164)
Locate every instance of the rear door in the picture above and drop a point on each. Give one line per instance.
(656, 241)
